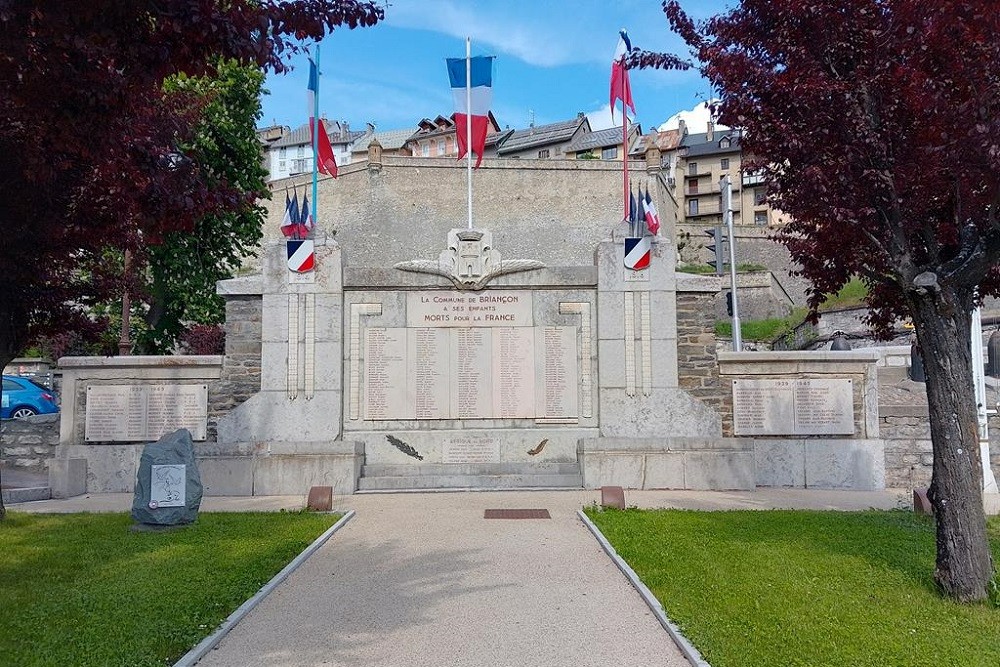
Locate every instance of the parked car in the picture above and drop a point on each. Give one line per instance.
(23, 397)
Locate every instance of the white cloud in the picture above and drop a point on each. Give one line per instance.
(696, 119)
(522, 29)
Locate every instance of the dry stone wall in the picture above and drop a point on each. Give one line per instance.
(28, 444)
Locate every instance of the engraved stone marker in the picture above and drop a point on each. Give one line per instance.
(809, 406)
(470, 449)
(462, 309)
(132, 413)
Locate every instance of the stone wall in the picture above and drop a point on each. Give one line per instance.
(697, 359)
(240, 378)
(28, 444)
(554, 211)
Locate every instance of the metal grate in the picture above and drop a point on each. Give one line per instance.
(516, 514)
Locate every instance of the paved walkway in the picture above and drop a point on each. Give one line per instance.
(424, 579)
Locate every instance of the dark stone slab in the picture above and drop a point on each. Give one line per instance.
(516, 514)
(320, 498)
(613, 496)
(921, 503)
(155, 498)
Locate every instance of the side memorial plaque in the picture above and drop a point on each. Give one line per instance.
(134, 413)
(814, 406)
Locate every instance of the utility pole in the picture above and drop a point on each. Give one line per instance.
(727, 211)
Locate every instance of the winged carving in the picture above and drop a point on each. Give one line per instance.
(470, 262)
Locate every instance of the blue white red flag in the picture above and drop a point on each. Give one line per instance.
(301, 255)
(637, 252)
(620, 87)
(325, 161)
(480, 97)
(290, 223)
(305, 217)
(651, 214)
(633, 213)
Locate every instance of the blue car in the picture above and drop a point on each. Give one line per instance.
(22, 398)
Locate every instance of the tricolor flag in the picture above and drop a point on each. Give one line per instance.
(305, 217)
(480, 97)
(290, 223)
(620, 87)
(325, 161)
(633, 213)
(651, 215)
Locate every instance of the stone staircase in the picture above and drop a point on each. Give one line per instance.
(383, 477)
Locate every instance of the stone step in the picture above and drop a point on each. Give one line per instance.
(446, 469)
(457, 481)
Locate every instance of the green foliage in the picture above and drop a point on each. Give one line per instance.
(850, 295)
(816, 589)
(185, 267)
(762, 330)
(81, 589)
(705, 269)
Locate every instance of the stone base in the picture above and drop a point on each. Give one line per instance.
(472, 446)
(67, 477)
(853, 464)
(668, 463)
(281, 469)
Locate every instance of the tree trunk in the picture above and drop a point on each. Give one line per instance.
(964, 568)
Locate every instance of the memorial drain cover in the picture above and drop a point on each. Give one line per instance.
(517, 514)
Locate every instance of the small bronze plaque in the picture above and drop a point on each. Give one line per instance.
(517, 514)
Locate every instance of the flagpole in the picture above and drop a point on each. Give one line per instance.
(315, 142)
(468, 121)
(625, 156)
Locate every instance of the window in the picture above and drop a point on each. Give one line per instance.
(760, 218)
(609, 153)
(693, 207)
(692, 168)
(434, 147)
(301, 151)
(283, 153)
(543, 153)
(281, 165)
(449, 146)
(693, 187)
(441, 147)
(425, 150)
(759, 197)
(725, 164)
(725, 143)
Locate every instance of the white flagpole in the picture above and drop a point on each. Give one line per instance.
(318, 127)
(468, 120)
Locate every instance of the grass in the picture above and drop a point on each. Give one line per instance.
(705, 269)
(850, 296)
(81, 589)
(796, 588)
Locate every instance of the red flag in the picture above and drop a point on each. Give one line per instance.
(620, 87)
(325, 161)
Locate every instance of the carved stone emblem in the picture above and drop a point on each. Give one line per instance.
(470, 261)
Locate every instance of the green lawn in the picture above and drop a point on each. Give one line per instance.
(81, 589)
(784, 588)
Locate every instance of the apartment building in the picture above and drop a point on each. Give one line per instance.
(702, 160)
(291, 153)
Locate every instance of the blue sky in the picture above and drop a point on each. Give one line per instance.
(553, 60)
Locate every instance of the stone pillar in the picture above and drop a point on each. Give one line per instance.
(286, 438)
(639, 392)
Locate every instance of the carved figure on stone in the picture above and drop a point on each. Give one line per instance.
(470, 261)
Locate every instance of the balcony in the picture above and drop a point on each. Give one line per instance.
(708, 208)
(753, 178)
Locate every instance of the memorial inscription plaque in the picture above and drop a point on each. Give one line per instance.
(458, 309)
(809, 406)
(470, 373)
(133, 413)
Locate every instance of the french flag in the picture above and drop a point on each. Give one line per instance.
(621, 89)
(651, 214)
(325, 161)
(480, 97)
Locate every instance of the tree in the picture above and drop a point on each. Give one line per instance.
(183, 270)
(877, 126)
(87, 134)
